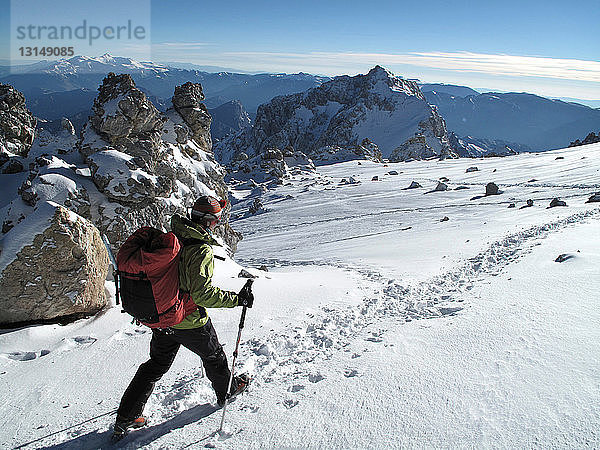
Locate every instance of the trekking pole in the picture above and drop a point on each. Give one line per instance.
(247, 286)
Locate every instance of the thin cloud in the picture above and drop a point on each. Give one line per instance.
(489, 64)
(180, 45)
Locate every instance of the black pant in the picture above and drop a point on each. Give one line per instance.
(202, 341)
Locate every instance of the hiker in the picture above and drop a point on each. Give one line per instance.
(195, 332)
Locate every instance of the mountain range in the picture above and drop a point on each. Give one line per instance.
(66, 88)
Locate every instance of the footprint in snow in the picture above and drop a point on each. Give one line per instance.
(84, 340)
(21, 356)
(349, 373)
(26, 356)
(449, 311)
(135, 332)
(296, 388)
(290, 403)
(315, 378)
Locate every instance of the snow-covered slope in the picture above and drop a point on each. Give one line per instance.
(537, 122)
(389, 318)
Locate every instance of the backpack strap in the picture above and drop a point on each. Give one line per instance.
(192, 241)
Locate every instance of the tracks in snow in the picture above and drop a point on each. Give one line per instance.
(291, 355)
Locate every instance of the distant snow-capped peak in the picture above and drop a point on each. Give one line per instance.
(80, 64)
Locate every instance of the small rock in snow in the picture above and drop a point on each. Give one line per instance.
(492, 189)
(315, 378)
(563, 257)
(472, 169)
(595, 198)
(245, 274)
(349, 373)
(441, 187)
(557, 202)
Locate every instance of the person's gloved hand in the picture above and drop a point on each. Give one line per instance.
(245, 296)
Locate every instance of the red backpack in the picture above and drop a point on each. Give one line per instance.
(148, 273)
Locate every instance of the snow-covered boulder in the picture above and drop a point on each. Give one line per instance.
(17, 128)
(557, 202)
(52, 265)
(366, 116)
(441, 186)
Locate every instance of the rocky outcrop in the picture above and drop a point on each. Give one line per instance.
(56, 270)
(187, 101)
(130, 168)
(591, 138)
(17, 128)
(122, 114)
(557, 202)
(595, 198)
(430, 141)
(347, 118)
(492, 189)
(149, 165)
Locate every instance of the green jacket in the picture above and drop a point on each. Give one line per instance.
(196, 266)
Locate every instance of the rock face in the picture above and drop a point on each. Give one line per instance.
(58, 272)
(122, 114)
(17, 125)
(149, 165)
(187, 102)
(366, 116)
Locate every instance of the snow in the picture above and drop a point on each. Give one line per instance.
(376, 326)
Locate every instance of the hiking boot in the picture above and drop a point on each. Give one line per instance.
(238, 385)
(122, 426)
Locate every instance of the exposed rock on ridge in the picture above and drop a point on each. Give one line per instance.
(148, 164)
(334, 121)
(17, 126)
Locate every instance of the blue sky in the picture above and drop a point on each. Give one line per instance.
(547, 47)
